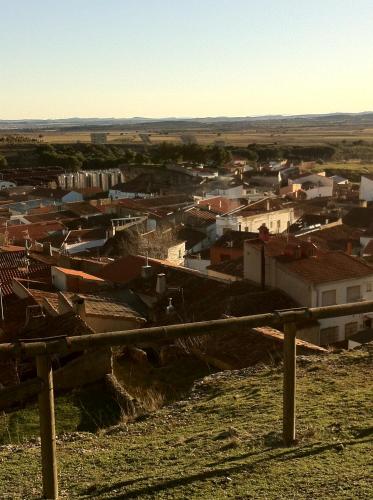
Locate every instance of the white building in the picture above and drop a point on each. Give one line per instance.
(230, 192)
(313, 279)
(117, 194)
(99, 137)
(314, 185)
(103, 179)
(366, 188)
(276, 217)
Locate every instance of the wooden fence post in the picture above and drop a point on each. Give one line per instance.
(290, 331)
(47, 428)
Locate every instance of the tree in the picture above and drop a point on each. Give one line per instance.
(220, 155)
(72, 163)
(3, 162)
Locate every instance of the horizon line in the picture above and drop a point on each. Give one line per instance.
(164, 118)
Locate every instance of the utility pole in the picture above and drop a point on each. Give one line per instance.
(47, 428)
(290, 332)
(1, 302)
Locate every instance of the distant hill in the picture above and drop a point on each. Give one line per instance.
(364, 118)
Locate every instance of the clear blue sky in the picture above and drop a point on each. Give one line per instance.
(157, 58)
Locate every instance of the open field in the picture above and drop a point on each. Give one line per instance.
(351, 166)
(223, 441)
(263, 135)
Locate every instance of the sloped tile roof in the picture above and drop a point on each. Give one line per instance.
(327, 267)
(20, 232)
(13, 265)
(125, 269)
(79, 274)
(234, 350)
(335, 238)
(205, 216)
(220, 204)
(234, 239)
(361, 217)
(68, 324)
(232, 267)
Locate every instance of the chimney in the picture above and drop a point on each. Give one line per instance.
(349, 248)
(263, 233)
(298, 252)
(268, 205)
(34, 316)
(170, 308)
(78, 304)
(262, 266)
(47, 248)
(161, 286)
(146, 272)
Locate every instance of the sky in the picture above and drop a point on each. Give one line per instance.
(184, 58)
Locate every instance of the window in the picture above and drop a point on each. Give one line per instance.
(368, 323)
(271, 224)
(353, 293)
(180, 254)
(329, 335)
(369, 287)
(350, 329)
(328, 298)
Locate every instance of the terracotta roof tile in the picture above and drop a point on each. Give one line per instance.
(234, 239)
(55, 326)
(80, 274)
(125, 269)
(81, 208)
(220, 204)
(103, 306)
(335, 238)
(246, 347)
(13, 265)
(203, 215)
(361, 217)
(232, 267)
(20, 232)
(328, 267)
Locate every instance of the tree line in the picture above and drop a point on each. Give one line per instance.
(82, 156)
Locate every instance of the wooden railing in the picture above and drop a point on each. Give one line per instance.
(42, 349)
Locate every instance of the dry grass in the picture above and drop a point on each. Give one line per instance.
(289, 135)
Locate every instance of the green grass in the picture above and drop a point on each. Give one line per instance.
(350, 170)
(224, 441)
(86, 410)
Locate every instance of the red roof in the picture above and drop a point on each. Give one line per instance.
(125, 269)
(203, 215)
(327, 267)
(80, 274)
(282, 244)
(220, 204)
(13, 265)
(21, 232)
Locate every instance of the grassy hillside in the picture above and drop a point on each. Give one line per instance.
(223, 441)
